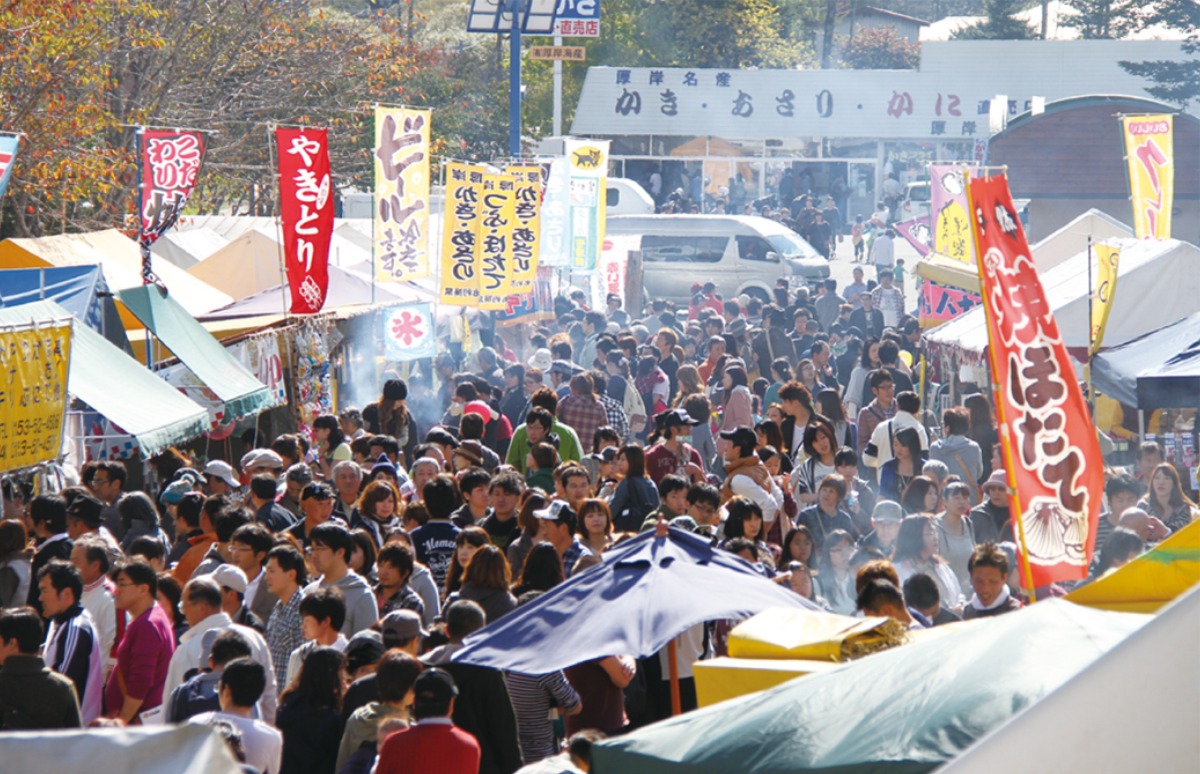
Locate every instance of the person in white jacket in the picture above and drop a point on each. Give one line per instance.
(747, 476)
(879, 449)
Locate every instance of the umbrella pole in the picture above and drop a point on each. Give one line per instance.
(673, 665)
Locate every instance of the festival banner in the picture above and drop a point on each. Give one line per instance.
(498, 211)
(408, 333)
(1107, 258)
(33, 400)
(553, 238)
(401, 193)
(1051, 453)
(8, 158)
(917, 233)
(306, 207)
(1150, 156)
(587, 162)
(169, 163)
(938, 303)
(460, 234)
(527, 211)
(614, 264)
(537, 306)
(948, 211)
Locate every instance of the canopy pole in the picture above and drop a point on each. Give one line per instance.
(673, 662)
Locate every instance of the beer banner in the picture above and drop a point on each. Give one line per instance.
(948, 211)
(169, 163)
(527, 209)
(1150, 158)
(553, 242)
(587, 162)
(8, 158)
(408, 333)
(460, 234)
(1051, 453)
(917, 233)
(401, 193)
(938, 304)
(496, 225)
(306, 207)
(1107, 257)
(33, 399)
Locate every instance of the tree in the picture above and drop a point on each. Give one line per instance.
(880, 48)
(1175, 81)
(1000, 24)
(1105, 19)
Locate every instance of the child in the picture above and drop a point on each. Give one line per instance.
(856, 237)
(898, 272)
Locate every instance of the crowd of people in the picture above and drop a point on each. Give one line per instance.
(307, 603)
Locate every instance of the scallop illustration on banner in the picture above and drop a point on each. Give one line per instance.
(409, 332)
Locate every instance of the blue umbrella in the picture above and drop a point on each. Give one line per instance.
(646, 592)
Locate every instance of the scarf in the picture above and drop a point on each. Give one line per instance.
(645, 384)
(1001, 599)
(746, 466)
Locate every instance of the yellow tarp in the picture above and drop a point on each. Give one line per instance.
(947, 271)
(723, 678)
(782, 633)
(1152, 580)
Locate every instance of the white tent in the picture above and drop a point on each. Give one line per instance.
(1072, 239)
(1158, 283)
(229, 226)
(1150, 681)
(187, 248)
(189, 748)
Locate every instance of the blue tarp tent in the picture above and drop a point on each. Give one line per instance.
(81, 290)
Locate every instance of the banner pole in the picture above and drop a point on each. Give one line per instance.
(374, 193)
(145, 250)
(1006, 449)
(1087, 367)
(273, 154)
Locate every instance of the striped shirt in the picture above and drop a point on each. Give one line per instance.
(284, 635)
(531, 696)
(73, 649)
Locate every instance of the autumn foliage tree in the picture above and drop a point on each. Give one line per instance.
(880, 48)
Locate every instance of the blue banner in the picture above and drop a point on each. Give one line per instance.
(8, 157)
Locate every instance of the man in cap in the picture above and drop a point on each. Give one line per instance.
(258, 461)
(220, 479)
(885, 523)
(561, 372)
(747, 476)
(316, 502)
(433, 736)
(615, 312)
(267, 511)
(672, 454)
(400, 630)
(557, 525)
(84, 520)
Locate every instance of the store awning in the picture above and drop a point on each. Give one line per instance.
(242, 394)
(117, 386)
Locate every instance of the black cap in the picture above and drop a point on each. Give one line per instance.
(674, 418)
(87, 509)
(741, 437)
(434, 686)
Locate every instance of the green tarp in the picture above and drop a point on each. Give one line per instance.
(242, 394)
(118, 387)
(905, 710)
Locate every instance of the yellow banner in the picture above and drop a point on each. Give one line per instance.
(528, 212)
(401, 194)
(1107, 257)
(498, 205)
(34, 400)
(460, 234)
(1150, 156)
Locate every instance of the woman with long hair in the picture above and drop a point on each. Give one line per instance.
(801, 581)
(636, 496)
(745, 520)
(1165, 498)
(903, 467)
(533, 499)
(595, 525)
(837, 581)
(689, 383)
(820, 449)
(331, 446)
(738, 408)
(466, 543)
(543, 571)
(390, 416)
(917, 552)
(982, 430)
(920, 496)
(486, 581)
(139, 518)
(699, 409)
(781, 372)
(310, 714)
(858, 391)
(168, 597)
(363, 554)
(829, 405)
(379, 510)
(16, 574)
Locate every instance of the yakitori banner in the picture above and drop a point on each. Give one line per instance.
(1150, 157)
(460, 234)
(1051, 454)
(33, 398)
(306, 208)
(169, 162)
(401, 193)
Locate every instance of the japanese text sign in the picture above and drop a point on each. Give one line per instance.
(1052, 456)
(1150, 156)
(408, 332)
(587, 162)
(1107, 258)
(401, 193)
(527, 207)
(33, 399)
(460, 234)
(170, 163)
(577, 18)
(948, 211)
(497, 223)
(306, 210)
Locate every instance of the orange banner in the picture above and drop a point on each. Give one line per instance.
(1051, 453)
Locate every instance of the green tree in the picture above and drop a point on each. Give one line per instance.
(1000, 24)
(880, 48)
(1109, 19)
(1175, 81)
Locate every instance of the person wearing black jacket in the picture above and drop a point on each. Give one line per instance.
(49, 515)
(32, 696)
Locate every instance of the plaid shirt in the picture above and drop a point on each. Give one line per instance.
(574, 553)
(616, 416)
(283, 635)
(582, 414)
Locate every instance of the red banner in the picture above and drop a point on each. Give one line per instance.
(170, 163)
(1052, 456)
(306, 205)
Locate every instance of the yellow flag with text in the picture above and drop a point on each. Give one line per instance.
(461, 233)
(527, 209)
(1107, 257)
(496, 226)
(1150, 157)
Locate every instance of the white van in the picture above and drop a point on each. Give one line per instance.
(626, 197)
(737, 253)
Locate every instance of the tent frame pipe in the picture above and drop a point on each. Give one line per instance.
(673, 666)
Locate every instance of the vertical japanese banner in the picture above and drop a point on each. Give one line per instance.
(408, 333)
(553, 242)
(1051, 454)
(495, 240)
(1150, 156)
(34, 362)
(948, 211)
(1107, 258)
(460, 234)
(401, 193)
(537, 306)
(306, 209)
(587, 161)
(917, 233)
(8, 157)
(527, 207)
(169, 162)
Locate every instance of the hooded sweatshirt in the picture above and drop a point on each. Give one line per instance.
(361, 609)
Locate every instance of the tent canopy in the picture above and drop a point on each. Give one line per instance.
(114, 384)
(81, 290)
(118, 256)
(1150, 581)
(195, 347)
(907, 710)
(1157, 284)
(189, 748)
(1072, 239)
(1157, 370)
(187, 248)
